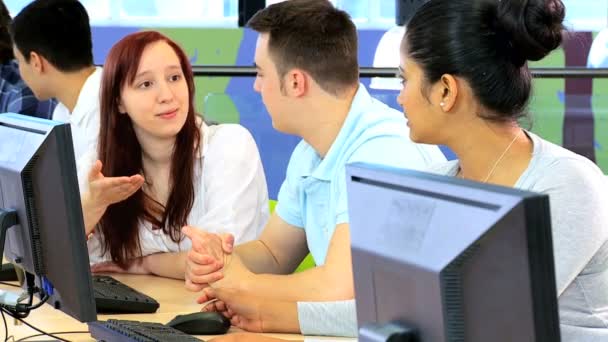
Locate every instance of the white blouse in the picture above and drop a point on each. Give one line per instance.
(230, 193)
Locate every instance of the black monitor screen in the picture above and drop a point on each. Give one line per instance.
(38, 180)
(450, 259)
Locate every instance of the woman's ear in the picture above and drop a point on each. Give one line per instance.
(447, 92)
(121, 108)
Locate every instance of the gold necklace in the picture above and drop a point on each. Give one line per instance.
(461, 174)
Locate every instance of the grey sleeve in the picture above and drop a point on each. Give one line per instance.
(337, 318)
(578, 201)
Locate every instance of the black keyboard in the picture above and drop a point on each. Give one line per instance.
(114, 330)
(112, 296)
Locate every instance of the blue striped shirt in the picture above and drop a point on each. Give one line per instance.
(17, 97)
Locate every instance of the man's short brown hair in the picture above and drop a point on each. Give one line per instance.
(314, 36)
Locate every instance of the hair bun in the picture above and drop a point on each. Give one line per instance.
(533, 28)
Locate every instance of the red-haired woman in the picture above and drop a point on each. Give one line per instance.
(159, 167)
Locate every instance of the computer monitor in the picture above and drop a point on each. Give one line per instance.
(437, 258)
(38, 182)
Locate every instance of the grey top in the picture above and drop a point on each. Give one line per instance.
(328, 318)
(578, 197)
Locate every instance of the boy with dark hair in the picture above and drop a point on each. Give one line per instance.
(306, 58)
(15, 96)
(52, 43)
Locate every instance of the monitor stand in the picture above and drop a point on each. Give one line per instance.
(8, 272)
(387, 332)
(8, 218)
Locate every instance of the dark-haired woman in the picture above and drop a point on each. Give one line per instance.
(466, 82)
(159, 168)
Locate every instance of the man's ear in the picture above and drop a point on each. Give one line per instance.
(38, 62)
(296, 82)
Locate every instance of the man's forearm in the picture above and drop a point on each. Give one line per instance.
(280, 317)
(257, 257)
(316, 284)
(249, 337)
(168, 265)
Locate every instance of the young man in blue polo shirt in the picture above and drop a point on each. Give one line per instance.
(306, 58)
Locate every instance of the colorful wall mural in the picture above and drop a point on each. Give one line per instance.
(570, 112)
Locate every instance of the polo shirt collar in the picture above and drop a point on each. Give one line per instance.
(327, 166)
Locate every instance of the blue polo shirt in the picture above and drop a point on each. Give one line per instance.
(313, 194)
